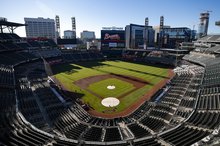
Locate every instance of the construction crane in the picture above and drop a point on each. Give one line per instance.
(207, 11)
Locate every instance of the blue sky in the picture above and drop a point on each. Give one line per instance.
(92, 15)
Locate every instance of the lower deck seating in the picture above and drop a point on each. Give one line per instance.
(153, 123)
(138, 131)
(93, 134)
(112, 134)
(184, 136)
(147, 142)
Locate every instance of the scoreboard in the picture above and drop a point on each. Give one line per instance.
(112, 39)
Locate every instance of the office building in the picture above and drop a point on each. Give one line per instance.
(40, 27)
(176, 35)
(137, 36)
(87, 35)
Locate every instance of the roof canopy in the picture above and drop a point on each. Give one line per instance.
(10, 25)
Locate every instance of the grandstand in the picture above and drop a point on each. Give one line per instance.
(35, 111)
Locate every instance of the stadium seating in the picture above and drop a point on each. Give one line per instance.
(89, 134)
(138, 131)
(183, 112)
(6, 76)
(112, 134)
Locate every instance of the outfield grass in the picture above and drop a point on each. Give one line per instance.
(69, 73)
(121, 87)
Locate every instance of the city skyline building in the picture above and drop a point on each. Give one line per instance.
(40, 27)
(136, 36)
(87, 35)
(173, 36)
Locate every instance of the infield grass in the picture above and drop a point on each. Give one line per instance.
(121, 87)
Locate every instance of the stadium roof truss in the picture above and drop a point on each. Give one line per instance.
(11, 26)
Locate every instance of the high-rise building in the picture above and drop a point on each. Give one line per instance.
(204, 24)
(40, 27)
(87, 35)
(137, 35)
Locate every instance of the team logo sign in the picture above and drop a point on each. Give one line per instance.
(111, 37)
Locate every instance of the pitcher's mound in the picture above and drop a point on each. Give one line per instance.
(110, 87)
(110, 102)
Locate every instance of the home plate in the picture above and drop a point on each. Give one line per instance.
(110, 102)
(110, 87)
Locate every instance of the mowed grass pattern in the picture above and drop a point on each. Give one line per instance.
(69, 73)
(101, 89)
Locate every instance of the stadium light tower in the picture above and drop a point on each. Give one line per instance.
(146, 33)
(74, 25)
(57, 18)
(161, 32)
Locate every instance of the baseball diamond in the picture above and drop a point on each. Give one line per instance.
(134, 83)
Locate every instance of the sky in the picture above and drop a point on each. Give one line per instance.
(92, 15)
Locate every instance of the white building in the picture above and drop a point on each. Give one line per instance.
(69, 34)
(40, 27)
(87, 35)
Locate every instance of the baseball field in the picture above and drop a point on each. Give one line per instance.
(129, 83)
